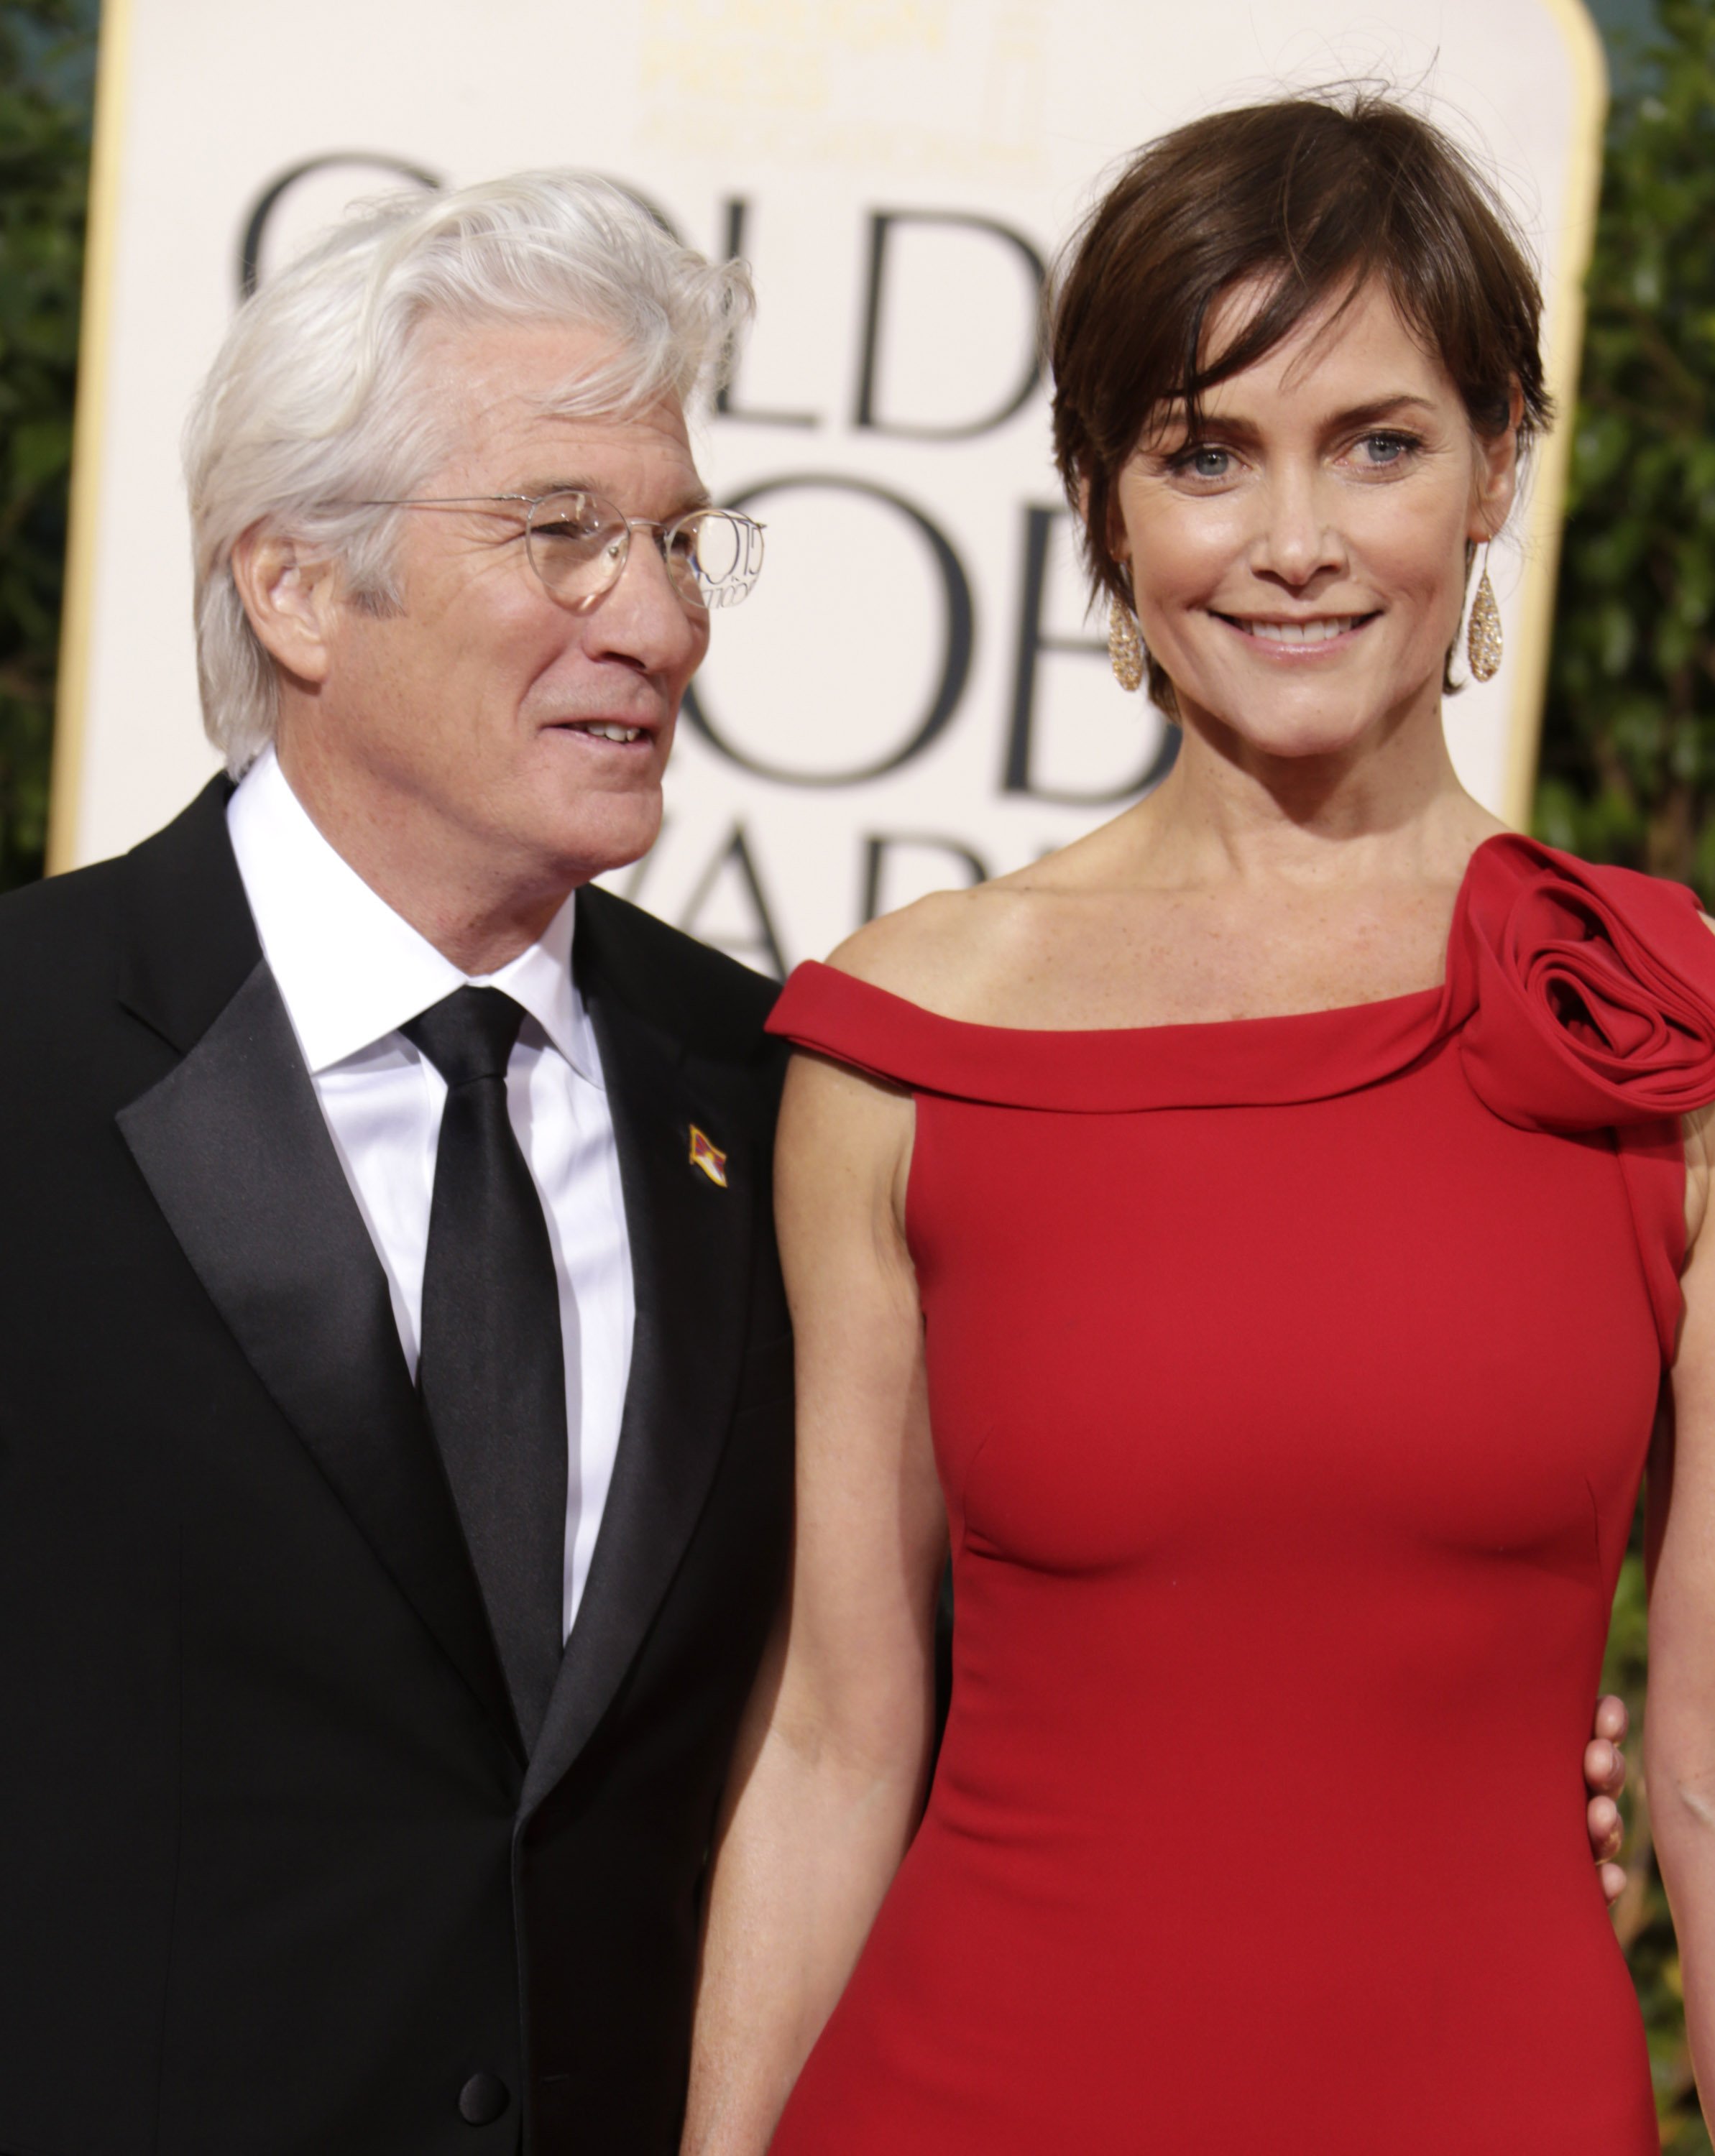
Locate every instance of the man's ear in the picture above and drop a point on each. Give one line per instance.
(1496, 475)
(291, 597)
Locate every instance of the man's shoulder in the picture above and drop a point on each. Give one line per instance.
(174, 900)
(55, 922)
(62, 943)
(700, 994)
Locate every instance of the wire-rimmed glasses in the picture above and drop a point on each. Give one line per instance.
(578, 544)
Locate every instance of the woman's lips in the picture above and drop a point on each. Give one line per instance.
(1308, 634)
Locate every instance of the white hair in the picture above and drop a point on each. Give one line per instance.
(316, 404)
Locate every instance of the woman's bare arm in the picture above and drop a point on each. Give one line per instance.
(1679, 1722)
(829, 1776)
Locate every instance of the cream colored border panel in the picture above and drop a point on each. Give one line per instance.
(95, 360)
(1564, 340)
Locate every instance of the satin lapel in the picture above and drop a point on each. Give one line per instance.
(690, 1259)
(233, 1144)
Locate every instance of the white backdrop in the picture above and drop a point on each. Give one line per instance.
(913, 696)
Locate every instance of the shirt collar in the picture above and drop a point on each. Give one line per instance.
(349, 968)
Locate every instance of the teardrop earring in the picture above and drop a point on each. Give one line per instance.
(1483, 636)
(1125, 648)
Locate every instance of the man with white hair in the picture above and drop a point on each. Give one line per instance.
(395, 1443)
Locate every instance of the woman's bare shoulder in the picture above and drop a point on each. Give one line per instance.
(964, 954)
(946, 952)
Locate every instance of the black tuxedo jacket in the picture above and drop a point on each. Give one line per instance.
(276, 1878)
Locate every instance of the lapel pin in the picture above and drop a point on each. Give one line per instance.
(708, 1157)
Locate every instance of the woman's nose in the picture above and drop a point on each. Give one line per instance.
(1299, 536)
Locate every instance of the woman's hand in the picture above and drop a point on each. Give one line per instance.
(1605, 1777)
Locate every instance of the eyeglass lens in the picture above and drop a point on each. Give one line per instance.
(578, 545)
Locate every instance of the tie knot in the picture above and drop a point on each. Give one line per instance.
(467, 1034)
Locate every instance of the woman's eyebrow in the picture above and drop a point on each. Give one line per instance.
(1171, 429)
(1371, 412)
(1382, 407)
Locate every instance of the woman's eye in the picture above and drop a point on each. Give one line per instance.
(1204, 461)
(1383, 449)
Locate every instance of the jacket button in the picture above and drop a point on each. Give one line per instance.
(483, 2099)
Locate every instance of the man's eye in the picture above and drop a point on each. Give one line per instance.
(573, 523)
(563, 522)
(571, 531)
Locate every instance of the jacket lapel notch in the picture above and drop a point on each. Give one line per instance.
(191, 944)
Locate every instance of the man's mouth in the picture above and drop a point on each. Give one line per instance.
(602, 729)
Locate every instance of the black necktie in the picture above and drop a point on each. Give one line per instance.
(492, 1371)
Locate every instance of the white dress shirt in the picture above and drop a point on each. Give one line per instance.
(351, 972)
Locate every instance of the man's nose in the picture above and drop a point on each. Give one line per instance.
(642, 616)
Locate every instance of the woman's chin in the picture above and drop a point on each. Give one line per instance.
(1307, 739)
(1297, 728)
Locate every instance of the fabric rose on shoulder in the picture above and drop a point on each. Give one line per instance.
(1591, 991)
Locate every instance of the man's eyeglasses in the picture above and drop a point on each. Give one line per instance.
(578, 545)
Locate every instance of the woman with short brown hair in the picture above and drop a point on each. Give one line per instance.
(1345, 199)
(1253, 1239)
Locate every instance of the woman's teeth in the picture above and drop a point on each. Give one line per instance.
(1302, 632)
(604, 731)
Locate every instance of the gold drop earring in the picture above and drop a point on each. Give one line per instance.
(1125, 647)
(1483, 636)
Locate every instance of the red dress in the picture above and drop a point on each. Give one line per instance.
(1291, 1382)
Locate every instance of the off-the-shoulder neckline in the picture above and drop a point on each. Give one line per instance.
(1401, 1004)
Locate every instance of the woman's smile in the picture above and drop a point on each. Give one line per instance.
(1296, 637)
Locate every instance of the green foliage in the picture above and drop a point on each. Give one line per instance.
(1628, 768)
(45, 49)
(1628, 771)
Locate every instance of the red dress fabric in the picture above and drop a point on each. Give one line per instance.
(1291, 1382)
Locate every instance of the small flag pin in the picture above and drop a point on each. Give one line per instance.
(708, 1157)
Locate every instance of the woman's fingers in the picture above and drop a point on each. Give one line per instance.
(1602, 1818)
(1603, 1767)
(1612, 1721)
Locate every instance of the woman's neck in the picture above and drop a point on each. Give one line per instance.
(1229, 813)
